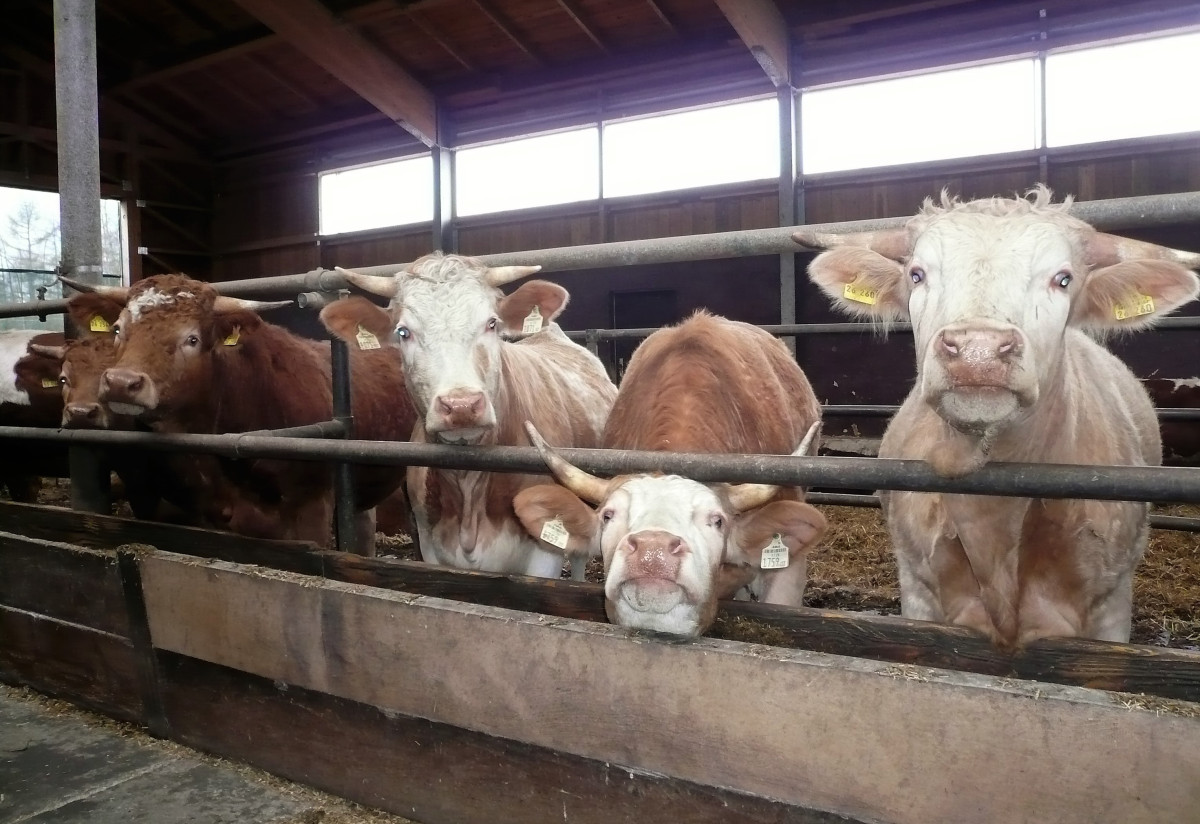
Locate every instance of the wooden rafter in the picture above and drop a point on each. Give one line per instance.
(662, 16)
(762, 28)
(261, 64)
(575, 14)
(433, 34)
(351, 58)
(506, 29)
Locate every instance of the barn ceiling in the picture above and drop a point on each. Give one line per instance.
(224, 78)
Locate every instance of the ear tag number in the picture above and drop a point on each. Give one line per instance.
(533, 321)
(860, 294)
(554, 533)
(774, 554)
(99, 324)
(366, 340)
(50, 383)
(1143, 305)
(233, 337)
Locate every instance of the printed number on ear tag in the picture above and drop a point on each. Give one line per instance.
(366, 340)
(555, 534)
(233, 337)
(49, 383)
(99, 324)
(1142, 305)
(533, 321)
(774, 554)
(860, 294)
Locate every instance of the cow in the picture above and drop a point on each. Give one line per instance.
(29, 396)
(1180, 438)
(673, 546)
(445, 321)
(1006, 296)
(190, 360)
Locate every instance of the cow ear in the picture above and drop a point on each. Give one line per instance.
(350, 317)
(797, 524)
(1132, 294)
(861, 282)
(229, 327)
(92, 311)
(537, 505)
(549, 298)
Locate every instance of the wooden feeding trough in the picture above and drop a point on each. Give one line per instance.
(422, 691)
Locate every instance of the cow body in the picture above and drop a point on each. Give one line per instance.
(29, 396)
(189, 361)
(473, 387)
(1180, 438)
(1002, 294)
(673, 546)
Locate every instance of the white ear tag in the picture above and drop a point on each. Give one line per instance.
(555, 533)
(533, 321)
(774, 554)
(366, 340)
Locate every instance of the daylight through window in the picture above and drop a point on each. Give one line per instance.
(382, 194)
(535, 171)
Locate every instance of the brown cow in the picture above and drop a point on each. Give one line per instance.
(1180, 438)
(673, 546)
(1003, 294)
(189, 360)
(472, 386)
(29, 396)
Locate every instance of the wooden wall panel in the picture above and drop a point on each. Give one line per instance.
(1149, 174)
(541, 230)
(395, 246)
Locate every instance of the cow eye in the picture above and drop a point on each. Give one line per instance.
(403, 332)
(491, 325)
(917, 274)
(606, 516)
(192, 340)
(62, 379)
(717, 521)
(116, 329)
(1062, 280)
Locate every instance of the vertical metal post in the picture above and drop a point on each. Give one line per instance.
(343, 478)
(77, 103)
(787, 204)
(444, 235)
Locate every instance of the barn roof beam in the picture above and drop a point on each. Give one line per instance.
(762, 28)
(662, 16)
(351, 58)
(576, 15)
(491, 14)
(433, 34)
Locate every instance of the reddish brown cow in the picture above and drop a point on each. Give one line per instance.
(29, 396)
(673, 546)
(189, 360)
(1180, 439)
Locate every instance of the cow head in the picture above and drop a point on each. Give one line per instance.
(664, 538)
(79, 365)
(445, 316)
(991, 287)
(166, 328)
(36, 377)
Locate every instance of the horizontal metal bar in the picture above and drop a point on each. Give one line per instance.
(324, 429)
(866, 410)
(1156, 483)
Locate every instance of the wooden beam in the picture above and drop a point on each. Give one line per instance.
(433, 34)
(662, 17)
(493, 15)
(576, 15)
(353, 60)
(764, 31)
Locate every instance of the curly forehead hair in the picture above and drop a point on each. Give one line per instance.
(438, 267)
(1037, 202)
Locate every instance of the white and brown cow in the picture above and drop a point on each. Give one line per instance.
(445, 321)
(673, 546)
(1004, 296)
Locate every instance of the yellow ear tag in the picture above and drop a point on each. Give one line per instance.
(1143, 305)
(860, 294)
(233, 337)
(366, 340)
(774, 554)
(99, 324)
(50, 383)
(533, 321)
(555, 533)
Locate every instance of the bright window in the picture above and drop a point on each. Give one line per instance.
(383, 194)
(958, 113)
(29, 250)
(1126, 90)
(723, 144)
(535, 171)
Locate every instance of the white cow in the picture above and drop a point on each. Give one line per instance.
(1003, 294)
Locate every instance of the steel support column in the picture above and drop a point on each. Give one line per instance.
(787, 204)
(343, 473)
(444, 235)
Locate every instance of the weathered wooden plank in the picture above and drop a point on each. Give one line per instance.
(429, 771)
(860, 738)
(87, 667)
(62, 581)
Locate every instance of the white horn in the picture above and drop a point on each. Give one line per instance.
(891, 243)
(588, 487)
(384, 287)
(744, 497)
(500, 275)
(225, 303)
(80, 286)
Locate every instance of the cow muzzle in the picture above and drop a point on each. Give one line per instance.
(650, 575)
(84, 416)
(460, 417)
(979, 376)
(127, 391)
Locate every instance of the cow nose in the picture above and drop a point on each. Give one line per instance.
(978, 345)
(654, 541)
(81, 414)
(461, 409)
(121, 384)
(654, 553)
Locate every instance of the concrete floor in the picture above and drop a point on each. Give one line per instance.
(58, 764)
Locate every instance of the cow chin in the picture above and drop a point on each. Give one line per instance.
(657, 605)
(130, 409)
(973, 410)
(462, 437)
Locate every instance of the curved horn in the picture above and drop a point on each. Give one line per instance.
(891, 243)
(588, 487)
(1106, 250)
(744, 497)
(500, 275)
(47, 351)
(224, 303)
(384, 287)
(79, 286)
